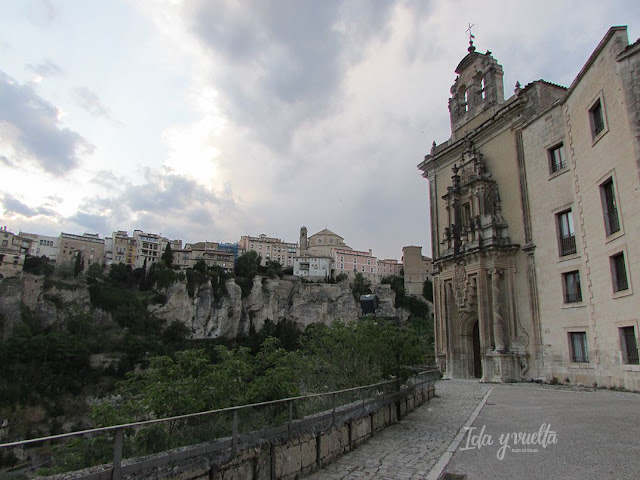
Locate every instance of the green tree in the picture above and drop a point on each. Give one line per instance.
(360, 286)
(248, 265)
(167, 256)
(95, 271)
(119, 273)
(427, 290)
(79, 265)
(341, 276)
(38, 265)
(144, 281)
(273, 269)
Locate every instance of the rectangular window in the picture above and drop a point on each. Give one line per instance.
(566, 235)
(597, 118)
(629, 345)
(609, 207)
(556, 158)
(619, 272)
(571, 285)
(578, 347)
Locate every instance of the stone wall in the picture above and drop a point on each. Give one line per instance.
(304, 454)
(286, 455)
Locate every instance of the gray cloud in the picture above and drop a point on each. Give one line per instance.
(6, 161)
(166, 193)
(14, 206)
(107, 179)
(57, 150)
(93, 223)
(45, 69)
(289, 56)
(89, 101)
(165, 203)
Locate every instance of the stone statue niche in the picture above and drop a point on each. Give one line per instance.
(473, 207)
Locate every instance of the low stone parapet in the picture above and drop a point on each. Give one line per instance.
(284, 452)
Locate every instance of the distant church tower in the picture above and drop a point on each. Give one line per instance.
(303, 240)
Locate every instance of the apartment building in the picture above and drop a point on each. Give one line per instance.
(43, 245)
(13, 251)
(389, 267)
(89, 245)
(269, 248)
(210, 253)
(350, 262)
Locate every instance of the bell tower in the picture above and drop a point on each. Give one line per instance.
(303, 240)
(477, 87)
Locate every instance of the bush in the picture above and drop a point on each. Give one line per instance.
(38, 266)
(427, 290)
(360, 286)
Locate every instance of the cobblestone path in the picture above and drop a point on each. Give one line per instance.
(411, 448)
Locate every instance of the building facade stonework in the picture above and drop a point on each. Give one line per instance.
(417, 269)
(269, 248)
(533, 226)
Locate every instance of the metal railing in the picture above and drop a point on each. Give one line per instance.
(567, 244)
(246, 424)
(612, 220)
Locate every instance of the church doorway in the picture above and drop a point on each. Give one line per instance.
(477, 358)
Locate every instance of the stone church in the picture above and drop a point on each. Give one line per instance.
(535, 236)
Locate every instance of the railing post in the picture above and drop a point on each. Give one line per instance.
(333, 409)
(118, 444)
(290, 418)
(234, 433)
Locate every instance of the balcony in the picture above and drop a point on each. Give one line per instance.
(567, 244)
(620, 284)
(573, 297)
(612, 221)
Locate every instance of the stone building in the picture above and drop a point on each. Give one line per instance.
(342, 258)
(13, 251)
(313, 267)
(43, 245)
(389, 267)
(417, 269)
(269, 248)
(534, 235)
(89, 245)
(209, 252)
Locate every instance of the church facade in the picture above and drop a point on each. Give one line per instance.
(534, 258)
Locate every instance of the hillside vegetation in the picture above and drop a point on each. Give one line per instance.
(149, 369)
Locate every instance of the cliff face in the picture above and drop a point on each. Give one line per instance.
(278, 299)
(205, 315)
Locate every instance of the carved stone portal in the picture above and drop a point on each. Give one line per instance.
(459, 280)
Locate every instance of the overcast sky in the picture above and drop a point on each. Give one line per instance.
(208, 120)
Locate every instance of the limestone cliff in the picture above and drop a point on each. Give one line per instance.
(277, 299)
(206, 316)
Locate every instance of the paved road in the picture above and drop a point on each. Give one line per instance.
(579, 434)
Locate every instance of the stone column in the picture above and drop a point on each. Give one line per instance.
(498, 323)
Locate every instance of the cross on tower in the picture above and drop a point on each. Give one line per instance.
(471, 37)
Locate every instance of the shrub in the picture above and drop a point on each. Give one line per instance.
(38, 266)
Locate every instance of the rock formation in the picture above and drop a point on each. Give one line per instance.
(206, 316)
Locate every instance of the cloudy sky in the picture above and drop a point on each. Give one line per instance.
(212, 119)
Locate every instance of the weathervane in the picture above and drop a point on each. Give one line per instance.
(471, 37)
